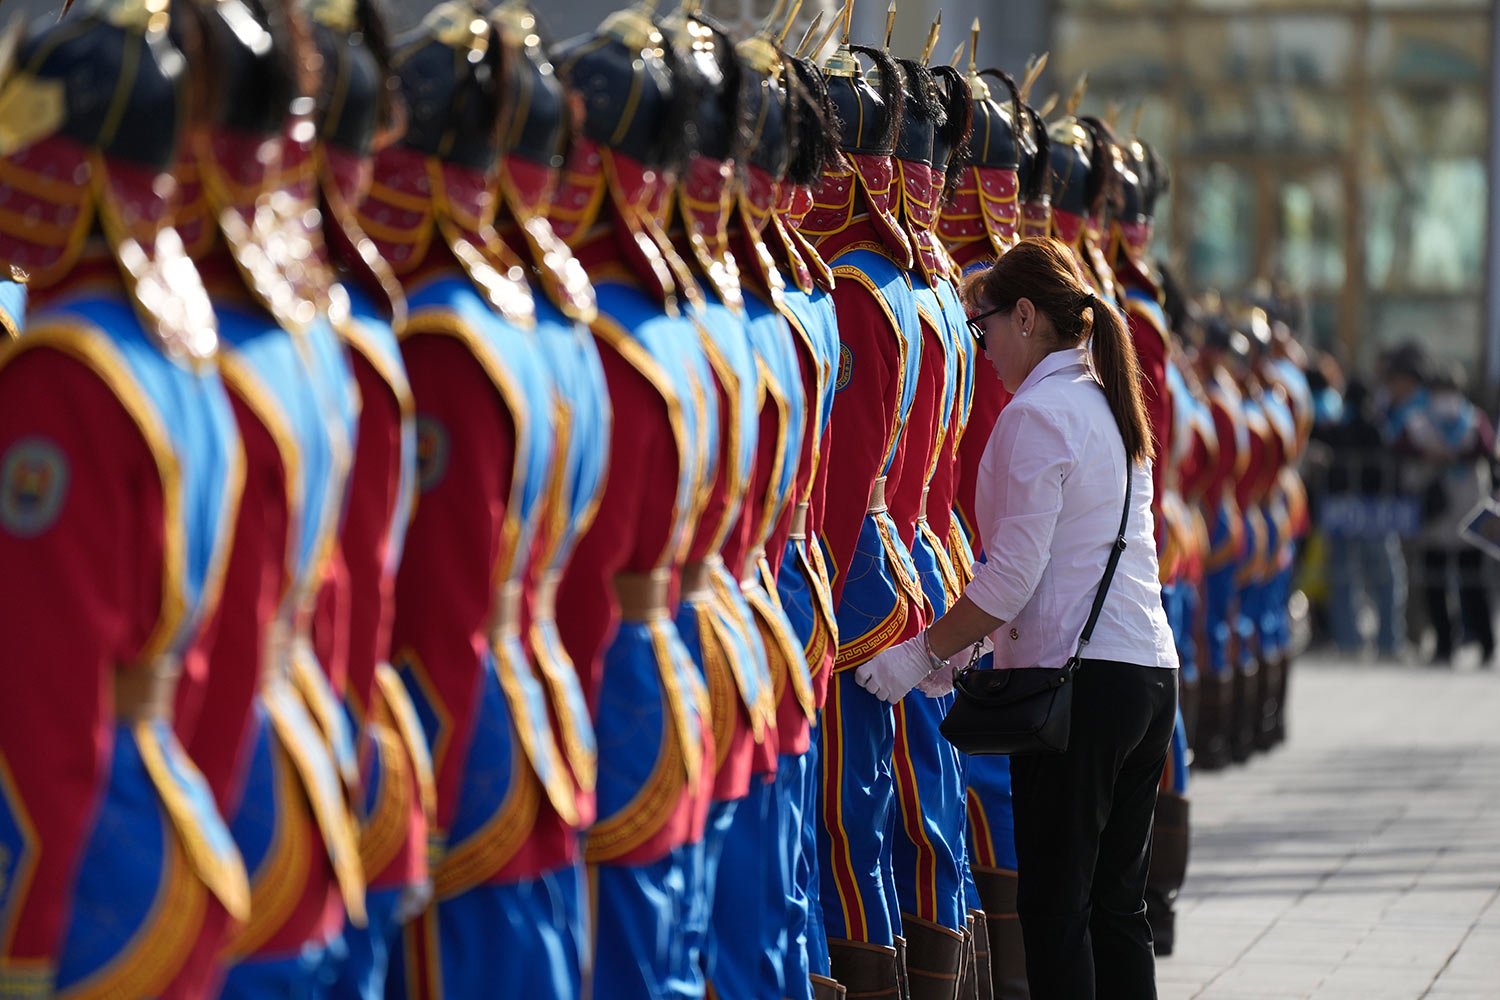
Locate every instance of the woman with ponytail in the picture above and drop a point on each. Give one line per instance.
(1049, 500)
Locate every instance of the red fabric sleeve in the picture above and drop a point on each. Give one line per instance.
(990, 398)
(79, 595)
(919, 438)
(364, 542)
(214, 730)
(806, 364)
(1151, 350)
(1222, 479)
(863, 416)
(642, 478)
(444, 587)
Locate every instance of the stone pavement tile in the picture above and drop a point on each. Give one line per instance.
(1424, 907)
(1275, 978)
(1478, 957)
(1328, 944)
(1378, 982)
(1214, 942)
(1179, 973)
(1407, 948)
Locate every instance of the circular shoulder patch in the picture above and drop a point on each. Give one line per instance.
(432, 453)
(846, 367)
(33, 486)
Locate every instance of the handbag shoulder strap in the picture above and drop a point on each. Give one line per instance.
(1117, 550)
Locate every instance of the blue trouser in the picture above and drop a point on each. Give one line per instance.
(308, 975)
(1177, 758)
(992, 843)
(642, 908)
(362, 973)
(928, 850)
(808, 872)
(1251, 597)
(856, 802)
(639, 914)
(1180, 602)
(1218, 601)
(750, 909)
(481, 934)
(703, 940)
(791, 800)
(1376, 567)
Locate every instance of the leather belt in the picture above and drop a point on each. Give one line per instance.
(922, 510)
(799, 522)
(877, 497)
(696, 582)
(642, 596)
(505, 620)
(144, 691)
(544, 600)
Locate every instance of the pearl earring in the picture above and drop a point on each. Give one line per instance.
(1025, 333)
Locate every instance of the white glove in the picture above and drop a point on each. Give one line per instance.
(940, 682)
(895, 671)
(937, 683)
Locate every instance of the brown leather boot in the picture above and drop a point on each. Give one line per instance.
(968, 989)
(1270, 698)
(867, 971)
(1169, 860)
(903, 973)
(984, 988)
(1215, 712)
(997, 890)
(824, 988)
(934, 959)
(1246, 710)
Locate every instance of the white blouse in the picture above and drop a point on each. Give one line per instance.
(1050, 492)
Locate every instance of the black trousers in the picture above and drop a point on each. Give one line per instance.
(1083, 837)
(1473, 599)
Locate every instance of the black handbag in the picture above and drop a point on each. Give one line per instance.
(1027, 710)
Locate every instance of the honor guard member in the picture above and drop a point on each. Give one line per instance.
(1079, 173)
(802, 577)
(648, 698)
(120, 472)
(950, 155)
(793, 340)
(1253, 494)
(760, 919)
(505, 833)
(1194, 474)
(1221, 348)
(1286, 369)
(1285, 437)
(535, 138)
(928, 848)
(268, 730)
(978, 225)
(716, 623)
(358, 108)
(877, 597)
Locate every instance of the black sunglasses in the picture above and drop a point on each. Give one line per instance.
(976, 324)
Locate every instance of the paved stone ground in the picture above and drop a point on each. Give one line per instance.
(1362, 858)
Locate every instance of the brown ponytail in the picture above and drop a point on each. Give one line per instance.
(1046, 271)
